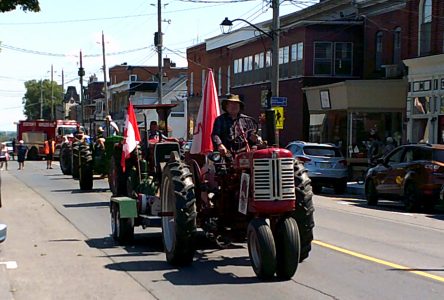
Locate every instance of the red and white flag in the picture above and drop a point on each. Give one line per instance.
(131, 135)
(208, 112)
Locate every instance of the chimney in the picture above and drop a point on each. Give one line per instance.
(166, 63)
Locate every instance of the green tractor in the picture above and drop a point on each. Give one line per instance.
(136, 191)
(91, 158)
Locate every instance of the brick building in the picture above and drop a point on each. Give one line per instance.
(342, 67)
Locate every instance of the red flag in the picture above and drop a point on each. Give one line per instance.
(208, 112)
(131, 135)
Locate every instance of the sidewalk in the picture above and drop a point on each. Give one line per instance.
(48, 257)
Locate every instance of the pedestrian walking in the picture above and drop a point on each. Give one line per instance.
(49, 148)
(4, 157)
(22, 151)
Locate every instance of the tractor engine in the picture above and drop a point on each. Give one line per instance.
(269, 176)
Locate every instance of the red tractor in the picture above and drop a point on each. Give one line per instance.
(263, 196)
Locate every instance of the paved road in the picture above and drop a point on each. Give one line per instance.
(60, 240)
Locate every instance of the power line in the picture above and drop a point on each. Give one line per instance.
(29, 51)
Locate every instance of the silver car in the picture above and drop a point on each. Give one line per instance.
(325, 164)
(3, 229)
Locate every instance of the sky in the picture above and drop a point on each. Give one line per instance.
(33, 42)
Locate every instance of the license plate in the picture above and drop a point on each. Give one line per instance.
(324, 165)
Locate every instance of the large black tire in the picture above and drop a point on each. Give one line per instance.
(65, 159)
(86, 168)
(33, 154)
(122, 228)
(411, 197)
(371, 194)
(116, 178)
(75, 160)
(178, 212)
(261, 248)
(288, 248)
(304, 209)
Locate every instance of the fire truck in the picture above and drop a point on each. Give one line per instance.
(35, 132)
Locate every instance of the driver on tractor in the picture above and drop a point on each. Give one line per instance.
(232, 131)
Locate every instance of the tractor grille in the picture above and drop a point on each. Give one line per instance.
(274, 179)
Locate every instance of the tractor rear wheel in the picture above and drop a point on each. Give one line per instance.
(261, 248)
(75, 160)
(288, 247)
(304, 209)
(65, 159)
(122, 228)
(86, 167)
(178, 212)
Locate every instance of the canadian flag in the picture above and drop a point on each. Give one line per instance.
(208, 112)
(131, 135)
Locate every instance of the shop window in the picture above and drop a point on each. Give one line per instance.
(366, 124)
(323, 58)
(421, 105)
(420, 130)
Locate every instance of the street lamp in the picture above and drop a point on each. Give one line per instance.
(226, 26)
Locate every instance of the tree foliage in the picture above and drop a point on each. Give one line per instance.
(38, 92)
(25, 5)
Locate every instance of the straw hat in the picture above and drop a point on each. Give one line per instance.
(232, 98)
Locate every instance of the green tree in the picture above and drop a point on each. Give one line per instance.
(39, 92)
(25, 5)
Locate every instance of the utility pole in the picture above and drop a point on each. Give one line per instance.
(275, 57)
(63, 96)
(52, 93)
(159, 49)
(41, 98)
(105, 84)
(81, 74)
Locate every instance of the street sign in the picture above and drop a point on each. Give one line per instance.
(279, 116)
(278, 101)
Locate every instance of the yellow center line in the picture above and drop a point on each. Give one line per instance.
(379, 261)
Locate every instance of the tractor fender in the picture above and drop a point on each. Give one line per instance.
(127, 206)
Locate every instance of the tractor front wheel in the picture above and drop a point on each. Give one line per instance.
(288, 248)
(122, 228)
(178, 212)
(261, 248)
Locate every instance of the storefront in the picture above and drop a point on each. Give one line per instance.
(348, 112)
(425, 99)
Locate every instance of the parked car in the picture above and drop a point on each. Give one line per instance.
(325, 163)
(3, 230)
(411, 173)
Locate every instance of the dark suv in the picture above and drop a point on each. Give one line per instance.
(413, 173)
